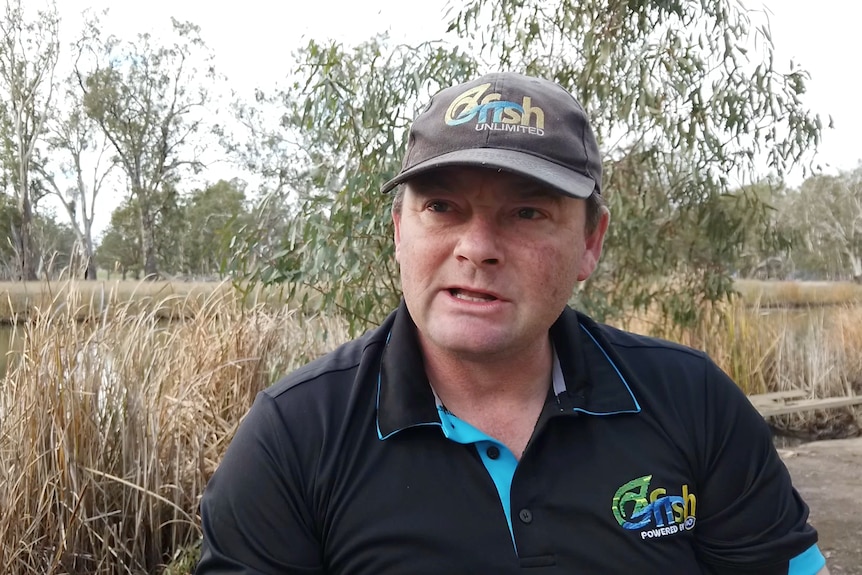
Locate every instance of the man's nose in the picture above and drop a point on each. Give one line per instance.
(479, 242)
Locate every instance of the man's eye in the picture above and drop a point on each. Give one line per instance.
(439, 207)
(528, 213)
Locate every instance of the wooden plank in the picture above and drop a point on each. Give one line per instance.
(767, 410)
(779, 395)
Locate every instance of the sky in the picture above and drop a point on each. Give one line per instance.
(253, 40)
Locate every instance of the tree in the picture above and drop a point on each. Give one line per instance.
(685, 99)
(148, 99)
(681, 104)
(50, 242)
(340, 128)
(120, 247)
(10, 222)
(28, 57)
(213, 217)
(763, 253)
(54, 246)
(826, 215)
(170, 230)
(72, 137)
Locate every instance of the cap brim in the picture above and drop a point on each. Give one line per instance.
(559, 178)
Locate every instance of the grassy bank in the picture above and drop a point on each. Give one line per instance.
(112, 419)
(165, 299)
(787, 294)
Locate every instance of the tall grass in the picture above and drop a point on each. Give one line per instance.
(110, 427)
(818, 350)
(815, 351)
(805, 294)
(168, 299)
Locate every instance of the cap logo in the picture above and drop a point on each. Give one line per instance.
(493, 113)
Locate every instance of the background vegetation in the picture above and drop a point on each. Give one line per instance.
(119, 396)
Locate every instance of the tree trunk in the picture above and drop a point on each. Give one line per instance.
(148, 240)
(856, 265)
(27, 270)
(90, 272)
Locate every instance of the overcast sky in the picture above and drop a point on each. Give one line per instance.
(251, 39)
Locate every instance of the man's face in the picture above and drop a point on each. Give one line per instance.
(489, 259)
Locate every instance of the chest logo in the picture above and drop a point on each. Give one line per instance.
(654, 513)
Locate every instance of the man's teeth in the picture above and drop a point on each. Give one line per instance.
(471, 296)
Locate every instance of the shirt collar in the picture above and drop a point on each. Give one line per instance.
(587, 377)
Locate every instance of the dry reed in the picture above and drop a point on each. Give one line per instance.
(110, 427)
(166, 299)
(784, 294)
(817, 351)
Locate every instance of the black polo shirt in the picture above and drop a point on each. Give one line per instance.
(646, 459)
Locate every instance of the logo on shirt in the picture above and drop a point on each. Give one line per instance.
(654, 513)
(491, 112)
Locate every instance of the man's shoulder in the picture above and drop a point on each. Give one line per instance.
(631, 344)
(338, 365)
(656, 366)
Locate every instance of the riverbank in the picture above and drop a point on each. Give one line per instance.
(22, 300)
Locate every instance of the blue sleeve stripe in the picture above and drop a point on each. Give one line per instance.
(809, 562)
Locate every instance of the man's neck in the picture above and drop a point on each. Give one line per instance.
(502, 397)
(508, 379)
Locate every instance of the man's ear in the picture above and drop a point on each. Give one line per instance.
(396, 221)
(593, 246)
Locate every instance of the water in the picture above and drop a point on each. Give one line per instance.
(5, 346)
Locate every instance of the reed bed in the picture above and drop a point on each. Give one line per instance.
(805, 294)
(110, 427)
(764, 349)
(817, 351)
(166, 299)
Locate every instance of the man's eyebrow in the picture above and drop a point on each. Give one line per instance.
(425, 183)
(533, 191)
(519, 188)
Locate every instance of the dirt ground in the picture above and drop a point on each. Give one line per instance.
(828, 475)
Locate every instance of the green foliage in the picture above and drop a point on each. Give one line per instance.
(350, 110)
(193, 232)
(54, 243)
(10, 222)
(683, 110)
(169, 228)
(682, 106)
(825, 217)
(120, 247)
(51, 245)
(212, 218)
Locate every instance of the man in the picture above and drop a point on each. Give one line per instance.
(487, 428)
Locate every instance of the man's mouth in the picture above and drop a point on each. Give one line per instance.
(473, 296)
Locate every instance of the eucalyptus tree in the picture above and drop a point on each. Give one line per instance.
(149, 99)
(76, 167)
(685, 96)
(29, 49)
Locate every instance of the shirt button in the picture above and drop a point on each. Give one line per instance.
(493, 452)
(525, 515)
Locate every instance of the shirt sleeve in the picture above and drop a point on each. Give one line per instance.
(254, 512)
(750, 518)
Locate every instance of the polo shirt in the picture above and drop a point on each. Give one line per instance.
(645, 459)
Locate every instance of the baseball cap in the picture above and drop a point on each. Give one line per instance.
(520, 124)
